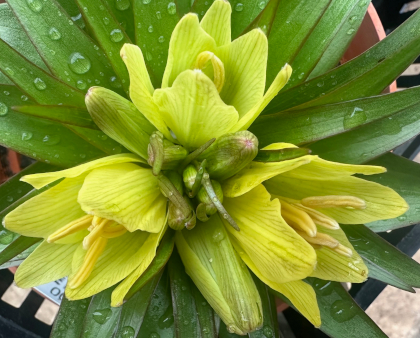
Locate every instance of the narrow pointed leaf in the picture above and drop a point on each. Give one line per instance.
(264, 20)
(379, 253)
(205, 313)
(155, 21)
(123, 12)
(13, 34)
(159, 319)
(40, 139)
(133, 311)
(370, 140)
(35, 82)
(17, 247)
(68, 52)
(366, 75)
(314, 123)
(403, 176)
(311, 52)
(163, 253)
(340, 315)
(101, 319)
(110, 36)
(243, 13)
(63, 114)
(70, 317)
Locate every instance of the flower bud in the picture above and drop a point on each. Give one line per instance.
(189, 176)
(177, 219)
(230, 153)
(203, 197)
(176, 180)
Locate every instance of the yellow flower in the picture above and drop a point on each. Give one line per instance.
(104, 221)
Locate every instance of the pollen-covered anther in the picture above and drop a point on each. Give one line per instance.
(324, 240)
(97, 230)
(319, 218)
(218, 68)
(298, 219)
(334, 201)
(343, 250)
(71, 228)
(91, 257)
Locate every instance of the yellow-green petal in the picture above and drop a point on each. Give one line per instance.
(148, 250)
(278, 252)
(216, 22)
(49, 262)
(193, 110)
(47, 212)
(187, 41)
(245, 61)
(279, 82)
(381, 202)
(127, 194)
(120, 257)
(119, 119)
(301, 294)
(336, 267)
(40, 180)
(141, 88)
(220, 275)
(258, 172)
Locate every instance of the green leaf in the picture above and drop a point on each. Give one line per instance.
(403, 176)
(243, 13)
(265, 19)
(17, 247)
(294, 22)
(110, 36)
(159, 320)
(13, 34)
(98, 139)
(370, 140)
(17, 260)
(35, 82)
(68, 52)
(163, 253)
(101, 319)
(44, 140)
(385, 262)
(335, 16)
(310, 124)
(123, 12)
(366, 75)
(155, 21)
(340, 315)
(133, 311)
(200, 7)
(63, 114)
(70, 317)
(205, 313)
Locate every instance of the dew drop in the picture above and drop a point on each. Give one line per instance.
(54, 34)
(82, 155)
(342, 310)
(324, 287)
(127, 332)
(171, 8)
(35, 5)
(39, 84)
(239, 7)
(261, 4)
(161, 39)
(268, 332)
(150, 29)
(6, 237)
(353, 19)
(158, 15)
(97, 81)
(351, 31)
(80, 84)
(116, 35)
(167, 319)
(149, 56)
(102, 316)
(51, 139)
(6, 93)
(402, 218)
(354, 119)
(26, 136)
(24, 98)
(78, 63)
(3, 109)
(9, 199)
(105, 20)
(301, 75)
(114, 82)
(9, 71)
(320, 84)
(122, 5)
(362, 3)
(218, 236)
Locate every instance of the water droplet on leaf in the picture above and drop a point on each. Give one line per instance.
(239, 7)
(116, 35)
(26, 136)
(161, 39)
(122, 5)
(127, 332)
(150, 29)
(51, 139)
(39, 84)
(35, 5)
(102, 316)
(6, 237)
(171, 8)
(78, 63)
(3, 109)
(351, 31)
(343, 310)
(261, 4)
(54, 34)
(354, 119)
(81, 84)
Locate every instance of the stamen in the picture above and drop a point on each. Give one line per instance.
(334, 201)
(319, 218)
(113, 231)
(71, 228)
(343, 250)
(218, 68)
(95, 233)
(298, 219)
(321, 239)
(91, 257)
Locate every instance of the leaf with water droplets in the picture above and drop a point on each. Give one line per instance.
(70, 54)
(314, 123)
(108, 32)
(155, 21)
(385, 262)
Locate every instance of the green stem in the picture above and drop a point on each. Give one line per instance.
(192, 156)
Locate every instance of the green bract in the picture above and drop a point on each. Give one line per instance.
(186, 142)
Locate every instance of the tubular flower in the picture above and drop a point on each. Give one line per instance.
(198, 170)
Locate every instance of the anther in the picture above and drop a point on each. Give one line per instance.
(298, 219)
(319, 218)
(334, 201)
(71, 228)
